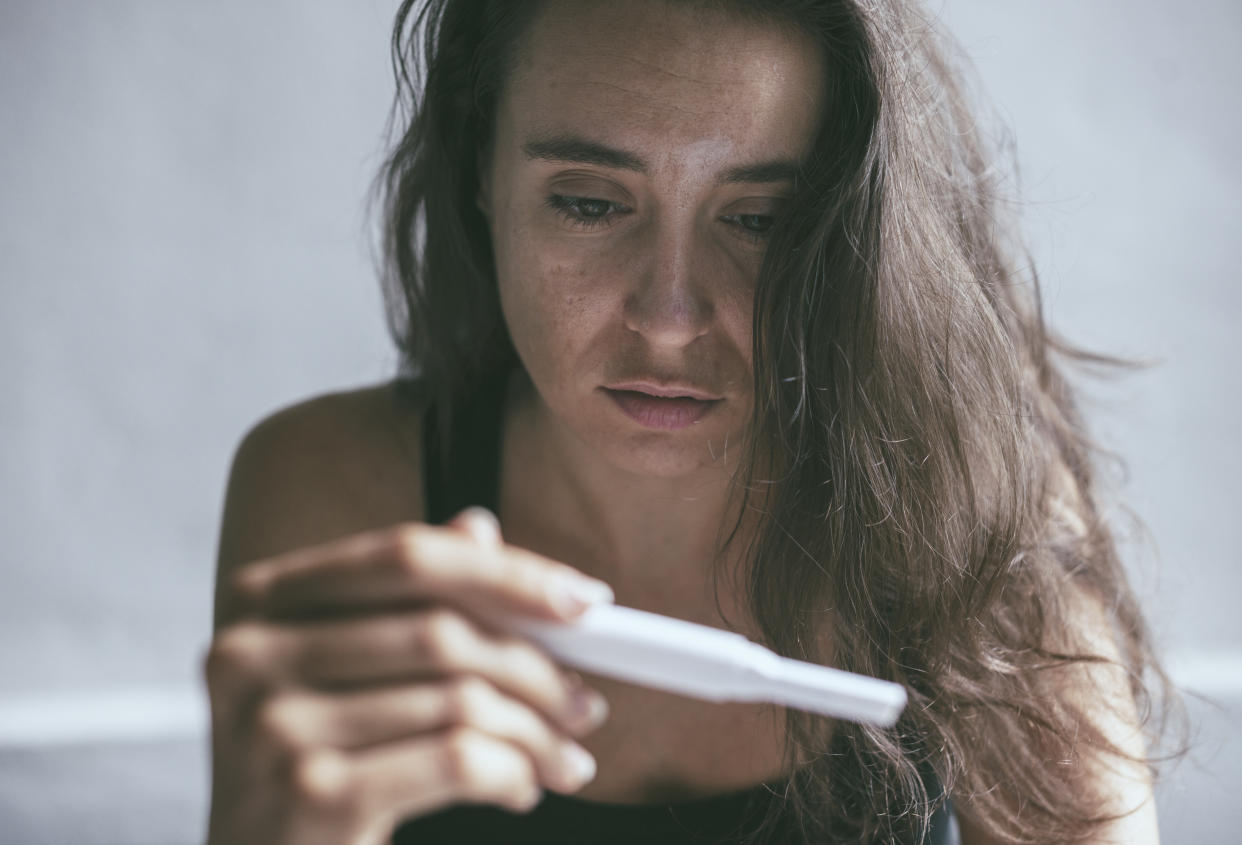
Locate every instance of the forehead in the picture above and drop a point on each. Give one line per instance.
(656, 74)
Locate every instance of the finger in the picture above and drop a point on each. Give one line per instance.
(299, 721)
(412, 563)
(428, 644)
(236, 670)
(481, 524)
(461, 765)
(355, 794)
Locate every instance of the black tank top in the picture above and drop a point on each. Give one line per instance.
(464, 470)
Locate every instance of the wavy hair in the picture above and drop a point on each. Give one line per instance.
(925, 478)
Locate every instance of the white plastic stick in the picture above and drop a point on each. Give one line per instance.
(703, 662)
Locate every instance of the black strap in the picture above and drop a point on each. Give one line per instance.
(461, 466)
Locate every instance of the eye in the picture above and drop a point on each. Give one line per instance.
(757, 223)
(586, 212)
(752, 226)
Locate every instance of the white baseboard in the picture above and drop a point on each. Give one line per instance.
(1216, 674)
(103, 715)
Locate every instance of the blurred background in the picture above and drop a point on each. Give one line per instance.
(183, 249)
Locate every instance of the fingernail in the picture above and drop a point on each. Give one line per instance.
(588, 709)
(579, 764)
(572, 594)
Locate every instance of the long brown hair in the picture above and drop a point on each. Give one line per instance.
(926, 479)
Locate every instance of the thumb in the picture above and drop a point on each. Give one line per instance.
(479, 523)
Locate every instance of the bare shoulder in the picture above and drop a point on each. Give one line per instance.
(332, 465)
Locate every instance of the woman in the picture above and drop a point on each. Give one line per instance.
(713, 306)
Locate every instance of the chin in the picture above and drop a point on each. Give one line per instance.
(679, 455)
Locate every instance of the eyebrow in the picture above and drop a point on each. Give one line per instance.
(571, 148)
(767, 171)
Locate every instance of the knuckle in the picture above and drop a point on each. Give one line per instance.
(284, 720)
(469, 700)
(531, 664)
(467, 759)
(246, 582)
(238, 650)
(480, 769)
(526, 800)
(410, 548)
(440, 636)
(321, 778)
(463, 759)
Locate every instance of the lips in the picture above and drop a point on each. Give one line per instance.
(665, 390)
(666, 407)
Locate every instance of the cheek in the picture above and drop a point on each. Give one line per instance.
(733, 278)
(739, 328)
(554, 305)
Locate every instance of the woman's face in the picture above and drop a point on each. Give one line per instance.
(641, 152)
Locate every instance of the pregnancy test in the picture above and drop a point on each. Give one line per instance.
(704, 662)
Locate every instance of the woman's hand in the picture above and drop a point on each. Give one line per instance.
(359, 685)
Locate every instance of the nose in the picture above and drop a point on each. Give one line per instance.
(665, 305)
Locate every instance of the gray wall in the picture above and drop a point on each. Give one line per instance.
(182, 250)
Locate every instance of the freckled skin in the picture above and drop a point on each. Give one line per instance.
(664, 290)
